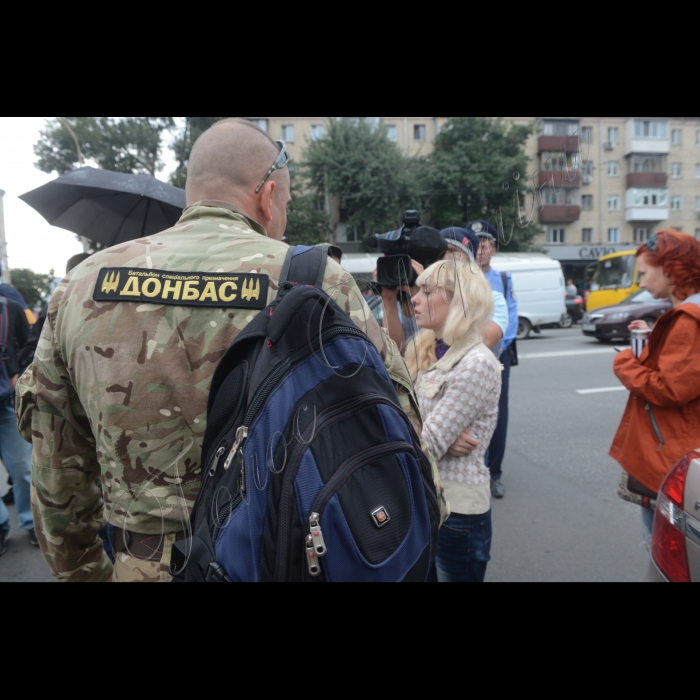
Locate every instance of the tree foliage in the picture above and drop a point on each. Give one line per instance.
(475, 172)
(120, 144)
(33, 287)
(358, 166)
(308, 223)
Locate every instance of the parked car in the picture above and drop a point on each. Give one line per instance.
(612, 322)
(676, 542)
(539, 287)
(574, 311)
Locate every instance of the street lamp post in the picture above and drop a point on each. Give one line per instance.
(6, 278)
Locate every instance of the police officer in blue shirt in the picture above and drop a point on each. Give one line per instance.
(500, 282)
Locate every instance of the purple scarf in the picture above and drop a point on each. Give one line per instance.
(441, 349)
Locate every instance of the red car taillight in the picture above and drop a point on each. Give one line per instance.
(670, 549)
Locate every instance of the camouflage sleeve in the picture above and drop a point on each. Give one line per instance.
(67, 492)
(344, 291)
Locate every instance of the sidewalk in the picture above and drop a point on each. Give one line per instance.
(22, 563)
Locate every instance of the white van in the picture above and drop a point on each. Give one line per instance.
(540, 289)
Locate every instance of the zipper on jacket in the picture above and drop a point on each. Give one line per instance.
(657, 430)
(312, 559)
(326, 418)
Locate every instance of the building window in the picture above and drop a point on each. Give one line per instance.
(587, 235)
(697, 234)
(697, 139)
(697, 204)
(556, 235)
(650, 198)
(613, 235)
(392, 132)
(677, 137)
(318, 131)
(288, 133)
(419, 132)
(650, 129)
(697, 171)
(613, 135)
(587, 202)
(676, 171)
(262, 123)
(677, 203)
(587, 134)
(642, 235)
(614, 203)
(613, 169)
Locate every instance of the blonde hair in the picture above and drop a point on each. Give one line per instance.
(471, 305)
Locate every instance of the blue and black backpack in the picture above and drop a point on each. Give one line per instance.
(311, 469)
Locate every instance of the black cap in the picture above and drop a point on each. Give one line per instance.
(427, 245)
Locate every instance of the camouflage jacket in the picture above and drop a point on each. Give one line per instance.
(116, 400)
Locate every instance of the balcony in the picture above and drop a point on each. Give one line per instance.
(569, 144)
(646, 180)
(559, 179)
(559, 214)
(647, 214)
(653, 144)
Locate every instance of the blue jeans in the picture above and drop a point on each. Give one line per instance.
(17, 457)
(464, 551)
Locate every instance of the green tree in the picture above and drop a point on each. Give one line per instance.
(308, 222)
(480, 170)
(358, 166)
(120, 144)
(33, 287)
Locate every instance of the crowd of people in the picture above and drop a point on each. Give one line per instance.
(87, 401)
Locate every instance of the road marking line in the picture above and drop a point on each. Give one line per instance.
(585, 392)
(576, 353)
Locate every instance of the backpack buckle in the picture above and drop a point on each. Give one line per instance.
(216, 574)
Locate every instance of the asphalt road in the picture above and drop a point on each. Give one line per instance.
(561, 519)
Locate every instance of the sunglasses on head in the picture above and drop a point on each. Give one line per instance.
(282, 161)
(652, 243)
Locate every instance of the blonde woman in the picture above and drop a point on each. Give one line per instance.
(458, 382)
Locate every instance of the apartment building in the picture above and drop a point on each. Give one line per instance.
(415, 135)
(624, 178)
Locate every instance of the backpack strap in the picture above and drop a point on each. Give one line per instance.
(4, 331)
(504, 277)
(305, 265)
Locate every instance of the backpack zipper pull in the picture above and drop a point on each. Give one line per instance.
(217, 459)
(241, 437)
(317, 536)
(311, 558)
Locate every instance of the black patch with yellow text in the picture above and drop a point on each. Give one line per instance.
(232, 290)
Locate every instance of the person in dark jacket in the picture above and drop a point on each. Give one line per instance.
(16, 454)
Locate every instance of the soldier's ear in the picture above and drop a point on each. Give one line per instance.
(266, 197)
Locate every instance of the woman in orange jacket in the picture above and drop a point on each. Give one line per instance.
(662, 421)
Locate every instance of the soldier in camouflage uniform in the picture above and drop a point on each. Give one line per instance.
(116, 401)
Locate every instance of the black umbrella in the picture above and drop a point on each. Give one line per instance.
(107, 207)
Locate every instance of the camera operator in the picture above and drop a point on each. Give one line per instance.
(407, 252)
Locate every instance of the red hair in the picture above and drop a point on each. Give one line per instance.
(679, 256)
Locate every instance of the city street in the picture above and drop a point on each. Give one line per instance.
(561, 519)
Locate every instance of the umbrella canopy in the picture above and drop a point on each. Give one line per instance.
(107, 207)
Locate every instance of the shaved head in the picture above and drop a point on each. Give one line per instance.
(234, 155)
(227, 164)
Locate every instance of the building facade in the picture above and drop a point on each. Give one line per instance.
(606, 184)
(602, 184)
(415, 135)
